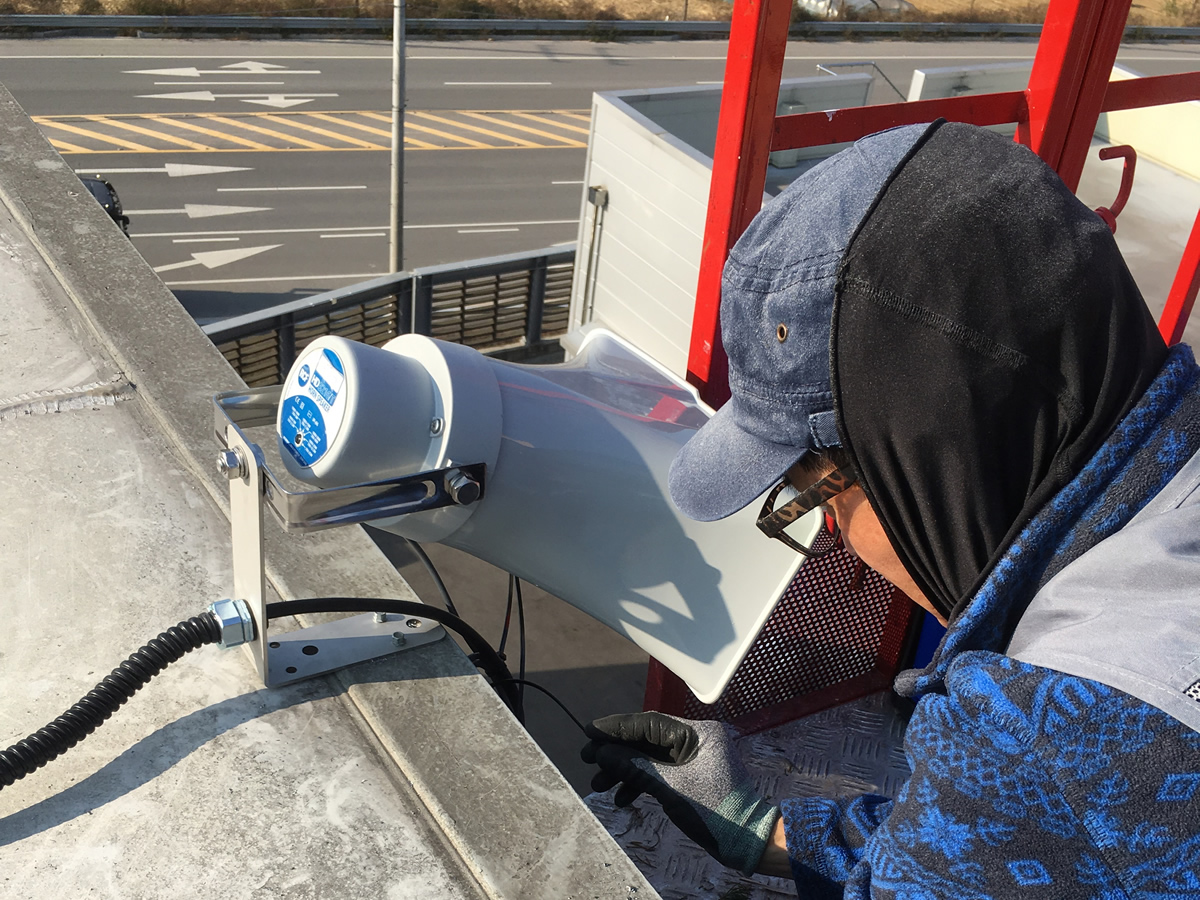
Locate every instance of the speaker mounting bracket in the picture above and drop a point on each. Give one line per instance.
(314, 650)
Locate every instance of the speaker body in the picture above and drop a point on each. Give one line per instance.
(576, 498)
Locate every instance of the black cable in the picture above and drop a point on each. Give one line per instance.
(129, 677)
(561, 705)
(433, 573)
(521, 635)
(485, 657)
(507, 617)
(106, 697)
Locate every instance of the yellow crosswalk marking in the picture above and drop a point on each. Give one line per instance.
(296, 123)
(64, 147)
(563, 141)
(333, 130)
(349, 123)
(425, 129)
(200, 129)
(75, 129)
(475, 128)
(546, 121)
(258, 129)
(146, 132)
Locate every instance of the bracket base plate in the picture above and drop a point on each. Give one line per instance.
(318, 649)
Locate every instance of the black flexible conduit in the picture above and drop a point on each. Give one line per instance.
(126, 679)
(106, 698)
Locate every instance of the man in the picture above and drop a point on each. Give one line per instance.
(930, 337)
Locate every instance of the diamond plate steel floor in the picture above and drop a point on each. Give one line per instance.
(849, 749)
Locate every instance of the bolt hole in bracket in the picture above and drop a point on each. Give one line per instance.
(321, 648)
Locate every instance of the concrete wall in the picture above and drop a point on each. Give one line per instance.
(953, 81)
(1169, 135)
(400, 777)
(652, 152)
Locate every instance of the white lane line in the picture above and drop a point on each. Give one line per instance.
(327, 187)
(370, 234)
(210, 83)
(566, 182)
(203, 240)
(199, 211)
(279, 101)
(245, 68)
(497, 83)
(174, 170)
(304, 279)
(243, 233)
(485, 230)
(211, 259)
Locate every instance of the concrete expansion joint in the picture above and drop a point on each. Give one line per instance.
(94, 395)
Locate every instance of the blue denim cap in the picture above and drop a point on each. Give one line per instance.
(779, 282)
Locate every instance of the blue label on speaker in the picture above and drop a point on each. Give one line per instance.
(313, 405)
(302, 430)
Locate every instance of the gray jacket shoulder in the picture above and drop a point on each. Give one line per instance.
(1127, 612)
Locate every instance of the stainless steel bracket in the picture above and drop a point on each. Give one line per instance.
(296, 655)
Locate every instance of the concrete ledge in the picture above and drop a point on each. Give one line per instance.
(514, 822)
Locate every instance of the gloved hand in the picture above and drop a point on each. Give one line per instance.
(694, 771)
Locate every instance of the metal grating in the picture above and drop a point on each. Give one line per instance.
(374, 322)
(490, 304)
(556, 307)
(837, 622)
(485, 312)
(856, 747)
(255, 358)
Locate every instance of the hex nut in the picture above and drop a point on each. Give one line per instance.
(463, 489)
(235, 621)
(231, 465)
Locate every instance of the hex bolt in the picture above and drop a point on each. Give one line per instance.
(463, 489)
(231, 465)
(399, 639)
(380, 617)
(436, 426)
(414, 623)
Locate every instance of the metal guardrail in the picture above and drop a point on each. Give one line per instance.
(584, 27)
(501, 302)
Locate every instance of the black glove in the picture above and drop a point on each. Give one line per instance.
(694, 771)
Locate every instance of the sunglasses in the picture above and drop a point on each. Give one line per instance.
(772, 522)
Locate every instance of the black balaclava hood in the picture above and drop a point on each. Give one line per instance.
(987, 337)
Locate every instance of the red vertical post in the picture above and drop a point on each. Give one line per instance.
(1070, 75)
(1183, 290)
(753, 68)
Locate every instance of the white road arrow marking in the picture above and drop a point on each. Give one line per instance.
(199, 211)
(246, 68)
(174, 170)
(281, 101)
(211, 259)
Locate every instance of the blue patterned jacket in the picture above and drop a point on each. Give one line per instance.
(1028, 782)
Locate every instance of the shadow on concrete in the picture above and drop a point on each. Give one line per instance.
(158, 752)
(593, 670)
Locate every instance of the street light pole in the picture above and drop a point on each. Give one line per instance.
(396, 244)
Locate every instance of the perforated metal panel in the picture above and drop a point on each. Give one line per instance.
(837, 633)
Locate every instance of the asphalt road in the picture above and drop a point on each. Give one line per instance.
(495, 145)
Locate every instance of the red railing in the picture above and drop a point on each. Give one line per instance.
(1056, 115)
